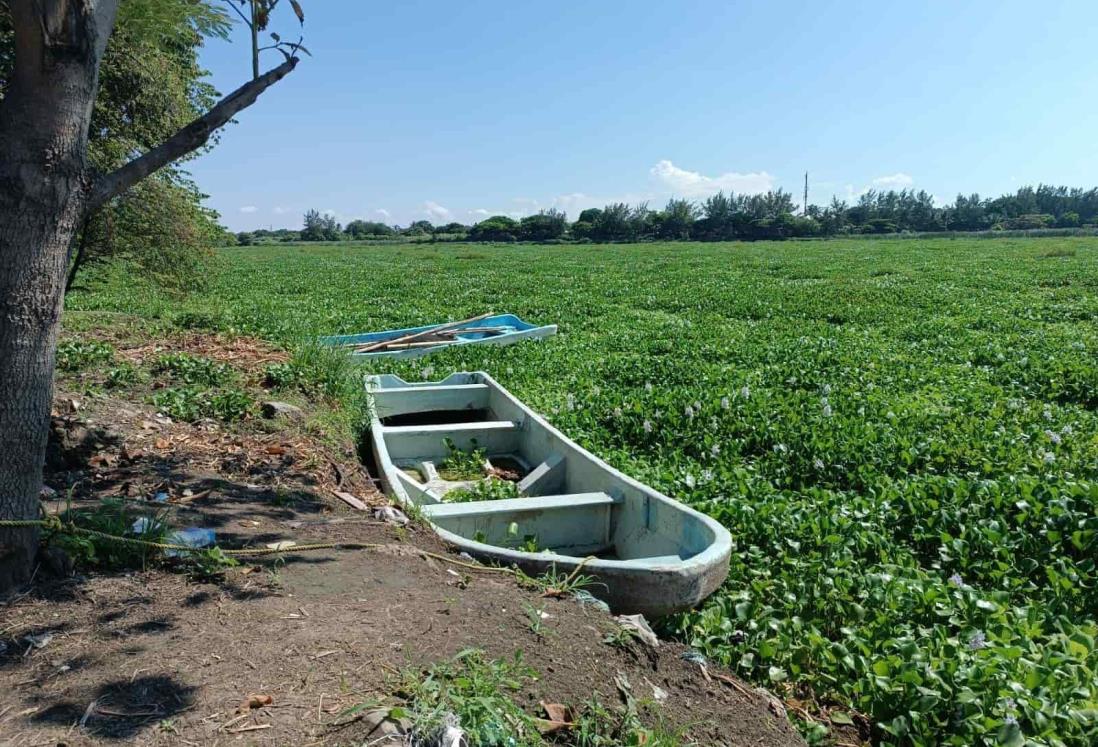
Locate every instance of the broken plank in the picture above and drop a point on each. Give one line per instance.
(350, 500)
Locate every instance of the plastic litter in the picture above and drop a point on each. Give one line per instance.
(141, 525)
(586, 598)
(191, 537)
(391, 514)
(641, 627)
(694, 657)
(161, 497)
(448, 734)
(38, 641)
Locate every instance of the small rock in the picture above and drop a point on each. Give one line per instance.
(47, 493)
(274, 410)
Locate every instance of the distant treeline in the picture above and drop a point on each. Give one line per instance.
(722, 217)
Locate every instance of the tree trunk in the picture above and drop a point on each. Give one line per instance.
(46, 192)
(44, 185)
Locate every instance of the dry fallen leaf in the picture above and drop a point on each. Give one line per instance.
(558, 717)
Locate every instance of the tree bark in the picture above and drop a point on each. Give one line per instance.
(43, 191)
(46, 192)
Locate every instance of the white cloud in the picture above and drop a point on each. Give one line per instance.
(383, 213)
(899, 180)
(278, 210)
(693, 184)
(481, 212)
(437, 212)
(248, 209)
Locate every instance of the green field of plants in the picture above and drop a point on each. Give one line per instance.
(902, 437)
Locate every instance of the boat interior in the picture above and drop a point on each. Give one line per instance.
(568, 502)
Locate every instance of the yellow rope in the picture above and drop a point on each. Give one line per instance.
(55, 524)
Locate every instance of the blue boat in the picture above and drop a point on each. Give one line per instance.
(413, 342)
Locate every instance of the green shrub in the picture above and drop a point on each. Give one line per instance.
(194, 369)
(280, 376)
(191, 403)
(122, 375)
(76, 355)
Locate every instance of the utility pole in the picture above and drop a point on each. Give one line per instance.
(805, 194)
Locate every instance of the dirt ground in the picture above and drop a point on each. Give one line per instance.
(155, 657)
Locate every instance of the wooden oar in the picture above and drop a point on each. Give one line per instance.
(425, 333)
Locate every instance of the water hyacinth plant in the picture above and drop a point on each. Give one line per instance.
(901, 436)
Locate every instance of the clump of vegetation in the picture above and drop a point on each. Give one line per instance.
(488, 489)
(479, 692)
(194, 370)
(600, 726)
(191, 403)
(462, 465)
(554, 584)
(200, 320)
(77, 355)
(281, 376)
(115, 517)
(123, 375)
(121, 518)
(325, 372)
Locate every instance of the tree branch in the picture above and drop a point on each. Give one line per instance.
(190, 138)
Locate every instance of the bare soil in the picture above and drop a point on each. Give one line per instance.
(155, 657)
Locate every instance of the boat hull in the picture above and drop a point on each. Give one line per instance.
(646, 552)
(516, 330)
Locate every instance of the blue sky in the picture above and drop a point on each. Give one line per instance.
(454, 110)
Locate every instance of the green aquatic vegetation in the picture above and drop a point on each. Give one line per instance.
(488, 489)
(462, 465)
(900, 435)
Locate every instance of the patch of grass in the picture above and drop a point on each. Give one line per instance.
(553, 584)
(321, 371)
(194, 369)
(599, 726)
(477, 694)
(478, 691)
(1060, 252)
(77, 355)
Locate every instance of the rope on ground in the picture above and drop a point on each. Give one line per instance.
(55, 524)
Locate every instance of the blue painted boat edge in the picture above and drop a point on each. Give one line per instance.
(534, 333)
(365, 337)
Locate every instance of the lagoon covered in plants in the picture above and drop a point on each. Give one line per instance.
(901, 435)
